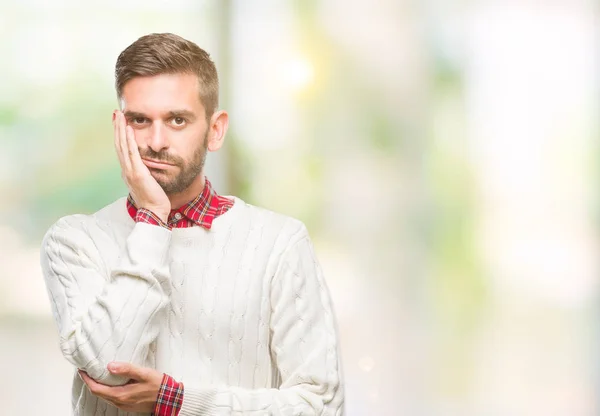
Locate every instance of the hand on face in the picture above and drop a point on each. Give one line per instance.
(139, 395)
(144, 189)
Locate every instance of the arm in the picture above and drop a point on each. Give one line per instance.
(304, 346)
(105, 315)
(109, 315)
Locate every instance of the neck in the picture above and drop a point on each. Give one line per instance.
(181, 198)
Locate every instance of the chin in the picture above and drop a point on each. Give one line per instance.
(159, 175)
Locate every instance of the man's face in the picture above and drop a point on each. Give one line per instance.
(170, 127)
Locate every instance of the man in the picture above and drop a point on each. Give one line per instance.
(176, 300)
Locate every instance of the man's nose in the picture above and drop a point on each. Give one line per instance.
(158, 140)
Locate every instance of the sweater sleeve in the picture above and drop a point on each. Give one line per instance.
(105, 315)
(304, 347)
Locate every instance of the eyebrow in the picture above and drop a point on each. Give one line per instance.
(134, 114)
(171, 114)
(182, 113)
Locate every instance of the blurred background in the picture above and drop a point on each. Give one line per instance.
(443, 155)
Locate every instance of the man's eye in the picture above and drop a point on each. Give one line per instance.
(178, 121)
(138, 120)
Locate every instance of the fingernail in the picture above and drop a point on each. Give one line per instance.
(114, 115)
(114, 367)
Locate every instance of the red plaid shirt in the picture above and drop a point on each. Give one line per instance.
(201, 211)
(170, 397)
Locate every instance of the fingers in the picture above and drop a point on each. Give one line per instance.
(139, 395)
(132, 148)
(95, 387)
(119, 396)
(117, 137)
(126, 146)
(125, 154)
(128, 370)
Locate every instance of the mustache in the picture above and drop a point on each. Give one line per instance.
(160, 156)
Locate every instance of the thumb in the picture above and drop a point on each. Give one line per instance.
(127, 370)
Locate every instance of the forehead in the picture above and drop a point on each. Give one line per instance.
(162, 93)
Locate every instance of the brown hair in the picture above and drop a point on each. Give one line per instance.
(166, 53)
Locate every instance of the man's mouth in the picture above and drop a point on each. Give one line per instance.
(157, 164)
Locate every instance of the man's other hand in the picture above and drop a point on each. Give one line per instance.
(138, 395)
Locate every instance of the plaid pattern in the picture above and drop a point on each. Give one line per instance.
(201, 211)
(170, 397)
(145, 215)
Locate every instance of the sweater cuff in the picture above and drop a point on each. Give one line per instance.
(148, 242)
(199, 402)
(170, 397)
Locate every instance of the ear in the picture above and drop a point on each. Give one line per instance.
(219, 122)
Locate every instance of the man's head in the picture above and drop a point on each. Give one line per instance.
(168, 90)
(166, 53)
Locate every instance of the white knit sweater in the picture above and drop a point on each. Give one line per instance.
(239, 313)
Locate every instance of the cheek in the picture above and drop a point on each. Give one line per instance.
(189, 142)
(139, 141)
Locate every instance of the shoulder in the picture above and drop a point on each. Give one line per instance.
(68, 224)
(65, 241)
(75, 229)
(285, 227)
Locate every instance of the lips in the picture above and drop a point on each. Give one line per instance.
(156, 164)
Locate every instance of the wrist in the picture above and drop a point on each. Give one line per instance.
(162, 216)
(160, 212)
(149, 217)
(170, 397)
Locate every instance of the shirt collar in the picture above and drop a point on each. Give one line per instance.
(202, 210)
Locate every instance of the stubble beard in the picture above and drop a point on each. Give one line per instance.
(188, 172)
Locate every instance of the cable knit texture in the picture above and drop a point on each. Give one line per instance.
(240, 313)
